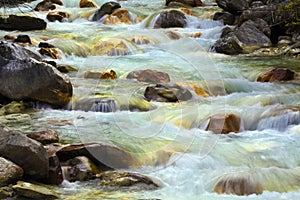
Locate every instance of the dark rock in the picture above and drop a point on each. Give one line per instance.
(9, 172)
(235, 7)
(192, 3)
(106, 9)
(171, 19)
(277, 74)
(25, 152)
(238, 185)
(96, 105)
(229, 44)
(256, 4)
(224, 123)
(105, 156)
(45, 45)
(55, 175)
(226, 17)
(51, 52)
(22, 23)
(167, 93)
(45, 136)
(47, 5)
(97, 74)
(150, 76)
(61, 16)
(80, 169)
(87, 4)
(23, 39)
(126, 179)
(36, 80)
(34, 191)
(6, 192)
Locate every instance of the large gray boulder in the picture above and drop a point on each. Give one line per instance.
(22, 77)
(9, 172)
(25, 152)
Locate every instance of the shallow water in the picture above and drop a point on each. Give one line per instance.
(266, 147)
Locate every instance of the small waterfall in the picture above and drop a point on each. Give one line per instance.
(104, 105)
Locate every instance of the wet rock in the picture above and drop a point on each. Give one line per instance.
(140, 40)
(51, 52)
(55, 175)
(34, 191)
(61, 16)
(235, 7)
(105, 156)
(224, 123)
(119, 16)
(126, 179)
(45, 45)
(171, 19)
(150, 76)
(193, 87)
(25, 152)
(9, 172)
(228, 44)
(238, 185)
(167, 93)
(13, 107)
(65, 68)
(22, 23)
(46, 83)
(6, 192)
(47, 5)
(95, 74)
(45, 136)
(112, 47)
(106, 9)
(192, 3)
(23, 39)
(277, 74)
(226, 17)
(87, 4)
(96, 105)
(80, 169)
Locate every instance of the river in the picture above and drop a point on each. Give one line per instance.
(266, 148)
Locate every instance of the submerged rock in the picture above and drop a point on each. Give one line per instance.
(126, 179)
(150, 76)
(9, 172)
(13, 107)
(105, 156)
(238, 185)
(45, 136)
(96, 74)
(22, 23)
(25, 152)
(171, 19)
(106, 9)
(36, 80)
(167, 93)
(80, 168)
(224, 123)
(34, 191)
(276, 74)
(96, 105)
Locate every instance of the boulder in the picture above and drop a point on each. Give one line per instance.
(80, 168)
(150, 76)
(170, 19)
(226, 17)
(22, 23)
(106, 9)
(167, 93)
(25, 152)
(61, 16)
(9, 172)
(96, 74)
(34, 191)
(238, 185)
(119, 16)
(277, 74)
(229, 44)
(36, 80)
(47, 5)
(192, 3)
(224, 123)
(87, 4)
(23, 39)
(126, 179)
(55, 174)
(235, 7)
(44, 136)
(105, 156)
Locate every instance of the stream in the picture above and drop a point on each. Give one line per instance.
(266, 149)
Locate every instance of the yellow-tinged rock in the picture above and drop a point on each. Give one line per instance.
(95, 74)
(87, 4)
(120, 16)
(194, 87)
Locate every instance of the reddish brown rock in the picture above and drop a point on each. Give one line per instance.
(150, 76)
(87, 4)
(224, 123)
(60, 16)
(45, 136)
(276, 74)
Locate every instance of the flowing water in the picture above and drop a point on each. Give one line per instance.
(266, 148)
